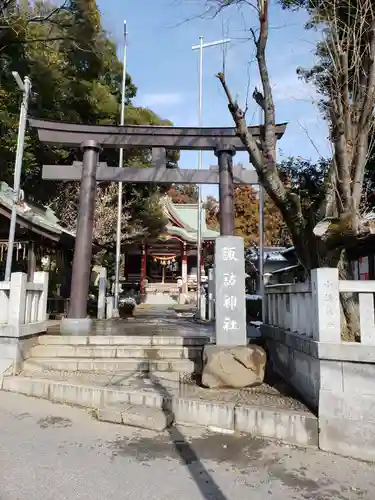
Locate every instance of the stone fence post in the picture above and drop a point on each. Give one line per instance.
(110, 306)
(326, 305)
(211, 294)
(41, 277)
(17, 300)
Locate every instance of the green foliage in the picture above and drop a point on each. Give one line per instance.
(76, 77)
(306, 179)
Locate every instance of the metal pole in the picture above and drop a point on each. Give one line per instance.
(201, 46)
(26, 89)
(261, 235)
(121, 161)
(200, 160)
(261, 247)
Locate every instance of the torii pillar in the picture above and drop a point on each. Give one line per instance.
(77, 321)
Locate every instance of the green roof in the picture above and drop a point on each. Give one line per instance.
(40, 216)
(187, 216)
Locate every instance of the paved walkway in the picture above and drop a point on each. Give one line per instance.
(53, 452)
(160, 299)
(155, 320)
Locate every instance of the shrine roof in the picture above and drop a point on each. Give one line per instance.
(36, 217)
(273, 254)
(183, 220)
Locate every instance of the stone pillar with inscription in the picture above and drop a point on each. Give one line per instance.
(231, 362)
(230, 291)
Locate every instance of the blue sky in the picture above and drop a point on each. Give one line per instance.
(165, 69)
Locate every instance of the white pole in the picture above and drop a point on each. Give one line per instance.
(261, 235)
(121, 161)
(201, 46)
(25, 86)
(261, 247)
(200, 160)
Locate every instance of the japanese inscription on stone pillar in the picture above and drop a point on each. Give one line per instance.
(230, 291)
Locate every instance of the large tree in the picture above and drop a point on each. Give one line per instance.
(184, 193)
(76, 76)
(348, 32)
(246, 210)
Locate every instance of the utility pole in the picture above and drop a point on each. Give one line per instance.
(261, 233)
(25, 87)
(200, 47)
(121, 164)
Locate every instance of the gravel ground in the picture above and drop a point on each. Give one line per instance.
(54, 452)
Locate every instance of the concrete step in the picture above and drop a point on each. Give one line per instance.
(155, 419)
(126, 340)
(106, 351)
(111, 365)
(297, 426)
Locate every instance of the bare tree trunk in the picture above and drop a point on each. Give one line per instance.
(349, 68)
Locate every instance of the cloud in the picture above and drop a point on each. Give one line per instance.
(160, 100)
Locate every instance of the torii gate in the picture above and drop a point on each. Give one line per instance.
(92, 138)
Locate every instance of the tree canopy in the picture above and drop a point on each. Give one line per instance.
(76, 77)
(184, 193)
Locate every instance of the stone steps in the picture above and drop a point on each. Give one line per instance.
(111, 365)
(116, 351)
(126, 340)
(112, 403)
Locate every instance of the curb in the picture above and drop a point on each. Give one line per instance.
(290, 426)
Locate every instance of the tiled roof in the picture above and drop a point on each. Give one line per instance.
(273, 254)
(42, 217)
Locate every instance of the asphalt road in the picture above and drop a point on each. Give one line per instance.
(54, 452)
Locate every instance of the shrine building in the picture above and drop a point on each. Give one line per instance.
(172, 255)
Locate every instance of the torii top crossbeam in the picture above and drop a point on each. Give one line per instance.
(150, 136)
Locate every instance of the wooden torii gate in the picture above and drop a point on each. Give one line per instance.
(93, 138)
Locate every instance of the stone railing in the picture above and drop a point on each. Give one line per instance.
(313, 309)
(23, 305)
(290, 307)
(302, 332)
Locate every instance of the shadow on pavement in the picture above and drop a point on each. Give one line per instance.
(202, 478)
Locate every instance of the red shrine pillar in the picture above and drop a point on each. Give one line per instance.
(143, 267)
(184, 267)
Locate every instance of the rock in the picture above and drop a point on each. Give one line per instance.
(235, 367)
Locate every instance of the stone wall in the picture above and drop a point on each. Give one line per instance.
(23, 317)
(336, 381)
(13, 351)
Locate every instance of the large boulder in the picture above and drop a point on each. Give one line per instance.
(235, 367)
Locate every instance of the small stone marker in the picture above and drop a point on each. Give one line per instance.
(230, 291)
(102, 292)
(211, 294)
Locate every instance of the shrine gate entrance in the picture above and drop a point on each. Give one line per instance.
(92, 139)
